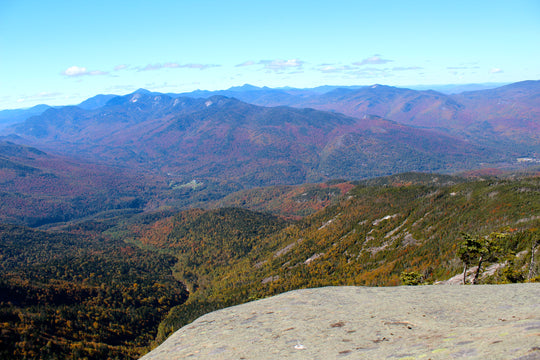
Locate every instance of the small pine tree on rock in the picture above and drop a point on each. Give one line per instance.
(476, 250)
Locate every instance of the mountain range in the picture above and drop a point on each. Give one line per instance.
(226, 139)
(10, 117)
(495, 108)
(493, 115)
(152, 127)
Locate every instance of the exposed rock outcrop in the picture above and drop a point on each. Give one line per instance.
(428, 322)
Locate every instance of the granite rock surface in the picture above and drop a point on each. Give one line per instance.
(405, 322)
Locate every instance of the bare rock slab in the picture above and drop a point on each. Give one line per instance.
(414, 322)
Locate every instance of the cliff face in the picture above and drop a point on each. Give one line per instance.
(432, 322)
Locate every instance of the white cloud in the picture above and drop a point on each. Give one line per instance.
(150, 67)
(199, 66)
(246, 63)
(495, 71)
(400, 68)
(173, 65)
(277, 65)
(464, 67)
(372, 69)
(97, 72)
(281, 65)
(120, 67)
(124, 89)
(74, 71)
(330, 68)
(373, 60)
(371, 72)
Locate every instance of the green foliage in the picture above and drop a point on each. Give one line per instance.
(470, 249)
(512, 274)
(410, 278)
(480, 250)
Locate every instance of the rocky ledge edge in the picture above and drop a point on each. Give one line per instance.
(404, 322)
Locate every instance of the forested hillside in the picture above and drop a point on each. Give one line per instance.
(69, 296)
(112, 287)
(39, 188)
(379, 230)
(289, 201)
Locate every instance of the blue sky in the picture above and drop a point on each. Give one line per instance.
(62, 52)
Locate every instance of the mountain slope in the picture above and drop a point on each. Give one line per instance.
(38, 188)
(10, 117)
(507, 115)
(99, 288)
(289, 201)
(508, 112)
(96, 102)
(412, 222)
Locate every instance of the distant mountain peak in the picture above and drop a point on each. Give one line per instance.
(142, 91)
(96, 102)
(380, 86)
(245, 87)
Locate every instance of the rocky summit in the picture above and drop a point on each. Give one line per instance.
(414, 322)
